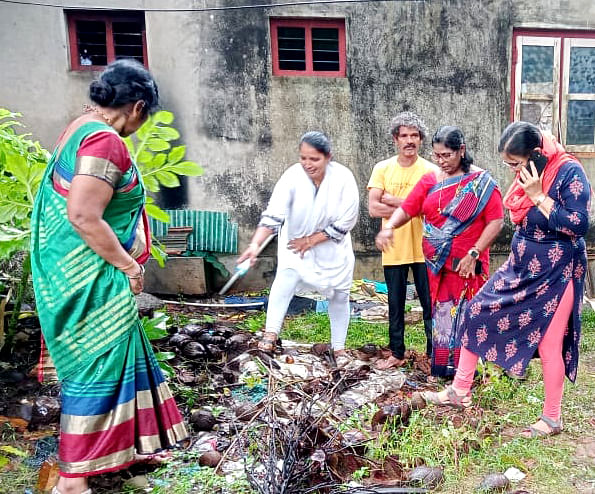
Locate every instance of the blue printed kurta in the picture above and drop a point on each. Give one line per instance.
(505, 322)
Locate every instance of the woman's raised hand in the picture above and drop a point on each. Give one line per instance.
(531, 181)
(384, 239)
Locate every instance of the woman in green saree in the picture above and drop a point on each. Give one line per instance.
(90, 238)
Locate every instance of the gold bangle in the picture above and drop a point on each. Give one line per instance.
(128, 266)
(139, 275)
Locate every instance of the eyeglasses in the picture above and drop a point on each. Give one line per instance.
(512, 164)
(443, 156)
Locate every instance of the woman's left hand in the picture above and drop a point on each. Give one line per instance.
(531, 182)
(466, 267)
(300, 245)
(384, 239)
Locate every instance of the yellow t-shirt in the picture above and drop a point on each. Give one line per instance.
(398, 181)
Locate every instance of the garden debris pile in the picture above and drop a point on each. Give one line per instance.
(301, 420)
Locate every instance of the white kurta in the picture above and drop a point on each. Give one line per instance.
(297, 209)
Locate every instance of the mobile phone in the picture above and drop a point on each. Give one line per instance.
(539, 160)
(478, 265)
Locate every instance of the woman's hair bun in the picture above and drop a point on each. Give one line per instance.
(101, 93)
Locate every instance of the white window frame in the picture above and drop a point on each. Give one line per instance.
(569, 43)
(562, 43)
(554, 97)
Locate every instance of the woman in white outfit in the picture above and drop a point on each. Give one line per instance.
(313, 207)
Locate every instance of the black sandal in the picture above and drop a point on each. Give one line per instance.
(555, 428)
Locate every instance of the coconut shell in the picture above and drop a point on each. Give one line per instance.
(396, 414)
(319, 349)
(214, 352)
(209, 339)
(429, 477)
(193, 330)
(245, 411)
(203, 420)
(194, 350)
(210, 459)
(238, 341)
(369, 349)
(495, 482)
(417, 401)
(179, 340)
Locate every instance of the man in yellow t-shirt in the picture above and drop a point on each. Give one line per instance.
(389, 185)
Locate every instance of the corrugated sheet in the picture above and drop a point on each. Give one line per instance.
(212, 230)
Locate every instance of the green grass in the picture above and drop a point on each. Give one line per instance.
(314, 327)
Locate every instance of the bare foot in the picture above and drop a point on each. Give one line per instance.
(76, 485)
(390, 362)
(154, 458)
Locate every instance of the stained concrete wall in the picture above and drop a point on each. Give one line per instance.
(449, 61)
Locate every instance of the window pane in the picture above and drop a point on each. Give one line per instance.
(128, 40)
(582, 70)
(292, 48)
(538, 113)
(581, 122)
(91, 41)
(537, 72)
(325, 48)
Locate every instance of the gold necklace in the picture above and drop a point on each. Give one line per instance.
(94, 109)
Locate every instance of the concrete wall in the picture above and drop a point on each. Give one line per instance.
(449, 61)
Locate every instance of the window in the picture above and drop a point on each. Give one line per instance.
(308, 47)
(554, 84)
(98, 38)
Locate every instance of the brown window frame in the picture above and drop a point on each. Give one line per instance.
(108, 17)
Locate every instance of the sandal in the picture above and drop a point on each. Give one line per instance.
(555, 428)
(453, 399)
(268, 343)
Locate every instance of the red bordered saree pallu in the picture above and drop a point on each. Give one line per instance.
(115, 401)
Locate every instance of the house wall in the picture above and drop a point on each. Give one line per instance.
(448, 61)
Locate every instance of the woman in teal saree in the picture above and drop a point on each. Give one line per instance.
(90, 238)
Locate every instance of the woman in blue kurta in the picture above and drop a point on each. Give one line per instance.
(533, 302)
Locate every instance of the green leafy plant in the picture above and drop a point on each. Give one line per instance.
(155, 330)
(360, 474)
(160, 164)
(23, 162)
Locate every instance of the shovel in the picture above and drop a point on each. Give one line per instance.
(242, 268)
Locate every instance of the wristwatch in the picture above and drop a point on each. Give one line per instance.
(473, 252)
